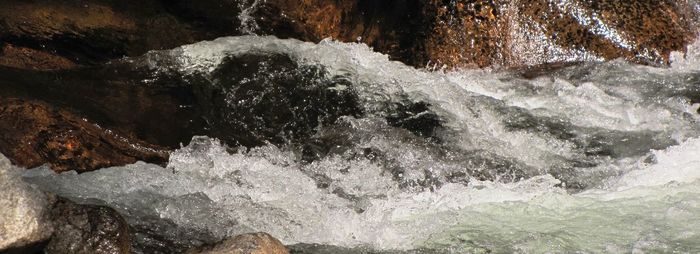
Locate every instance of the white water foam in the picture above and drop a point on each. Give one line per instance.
(205, 188)
(613, 96)
(647, 200)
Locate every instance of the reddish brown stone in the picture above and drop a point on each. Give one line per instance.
(395, 27)
(34, 133)
(454, 33)
(479, 33)
(32, 59)
(465, 33)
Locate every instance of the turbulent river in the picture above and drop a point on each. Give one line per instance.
(589, 158)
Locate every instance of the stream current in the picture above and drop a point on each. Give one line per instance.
(589, 158)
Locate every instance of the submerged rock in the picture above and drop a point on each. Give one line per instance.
(259, 98)
(24, 213)
(254, 243)
(87, 229)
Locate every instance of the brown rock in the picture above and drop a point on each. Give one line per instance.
(93, 31)
(394, 27)
(465, 33)
(255, 243)
(87, 229)
(35, 133)
(27, 58)
(545, 31)
(459, 33)
(48, 20)
(492, 32)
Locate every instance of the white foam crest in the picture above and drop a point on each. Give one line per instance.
(243, 192)
(208, 189)
(654, 208)
(675, 165)
(268, 190)
(472, 101)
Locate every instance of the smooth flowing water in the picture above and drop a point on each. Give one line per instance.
(590, 158)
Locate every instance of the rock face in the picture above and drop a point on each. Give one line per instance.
(35, 133)
(24, 213)
(255, 243)
(481, 33)
(397, 27)
(561, 31)
(87, 229)
(457, 33)
(91, 31)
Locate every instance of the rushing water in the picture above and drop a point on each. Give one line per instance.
(596, 157)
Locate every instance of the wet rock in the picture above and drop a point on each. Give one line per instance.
(563, 31)
(92, 31)
(464, 33)
(87, 229)
(24, 213)
(478, 33)
(35, 133)
(31, 221)
(254, 243)
(397, 28)
(415, 117)
(531, 32)
(433, 33)
(89, 118)
(27, 58)
(259, 98)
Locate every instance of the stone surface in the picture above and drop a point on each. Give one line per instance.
(27, 58)
(35, 133)
(397, 28)
(479, 33)
(24, 218)
(433, 33)
(93, 31)
(254, 243)
(545, 31)
(87, 229)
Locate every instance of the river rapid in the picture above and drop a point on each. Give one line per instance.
(585, 158)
